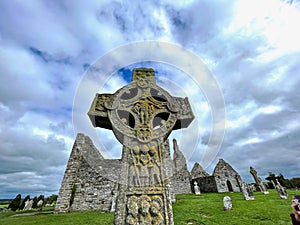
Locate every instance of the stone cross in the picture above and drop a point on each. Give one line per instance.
(247, 191)
(280, 189)
(142, 115)
(196, 188)
(258, 181)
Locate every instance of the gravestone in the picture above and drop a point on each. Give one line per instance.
(261, 187)
(247, 191)
(28, 205)
(39, 205)
(196, 188)
(227, 203)
(142, 115)
(280, 189)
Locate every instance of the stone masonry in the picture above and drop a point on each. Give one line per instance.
(84, 186)
(227, 179)
(90, 181)
(93, 179)
(224, 178)
(181, 176)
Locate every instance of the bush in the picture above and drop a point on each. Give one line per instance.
(15, 204)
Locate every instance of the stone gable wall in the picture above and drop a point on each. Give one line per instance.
(227, 179)
(181, 176)
(93, 191)
(70, 176)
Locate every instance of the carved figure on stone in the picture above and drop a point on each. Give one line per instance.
(100, 102)
(133, 211)
(143, 133)
(196, 188)
(156, 204)
(135, 164)
(227, 202)
(154, 165)
(145, 217)
(144, 172)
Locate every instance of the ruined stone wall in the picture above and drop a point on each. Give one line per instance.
(227, 179)
(198, 171)
(70, 176)
(206, 184)
(93, 191)
(89, 182)
(181, 176)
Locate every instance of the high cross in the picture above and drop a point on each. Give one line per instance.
(142, 115)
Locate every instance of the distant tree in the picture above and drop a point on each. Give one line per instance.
(271, 177)
(284, 182)
(280, 179)
(51, 199)
(15, 204)
(296, 182)
(35, 201)
(23, 202)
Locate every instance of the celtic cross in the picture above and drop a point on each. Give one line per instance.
(142, 115)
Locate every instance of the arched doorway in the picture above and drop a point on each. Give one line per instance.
(229, 186)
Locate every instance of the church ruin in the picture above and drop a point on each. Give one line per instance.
(86, 186)
(223, 179)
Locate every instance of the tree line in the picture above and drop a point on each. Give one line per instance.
(287, 183)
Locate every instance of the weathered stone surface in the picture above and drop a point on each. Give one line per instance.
(197, 171)
(259, 184)
(142, 115)
(181, 176)
(39, 205)
(97, 175)
(280, 189)
(28, 205)
(224, 179)
(196, 188)
(85, 185)
(227, 179)
(227, 203)
(247, 191)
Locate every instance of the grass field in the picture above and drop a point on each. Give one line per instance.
(4, 205)
(191, 209)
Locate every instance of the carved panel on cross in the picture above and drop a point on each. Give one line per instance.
(144, 164)
(145, 209)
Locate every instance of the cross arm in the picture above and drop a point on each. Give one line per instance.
(98, 113)
(184, 114)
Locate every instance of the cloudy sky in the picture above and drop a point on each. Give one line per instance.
(251, 49)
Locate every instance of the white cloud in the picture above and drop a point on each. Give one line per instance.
(252, 49)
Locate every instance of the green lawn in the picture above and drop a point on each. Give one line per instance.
(4, 205)
(191, 209)
(208, 209)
